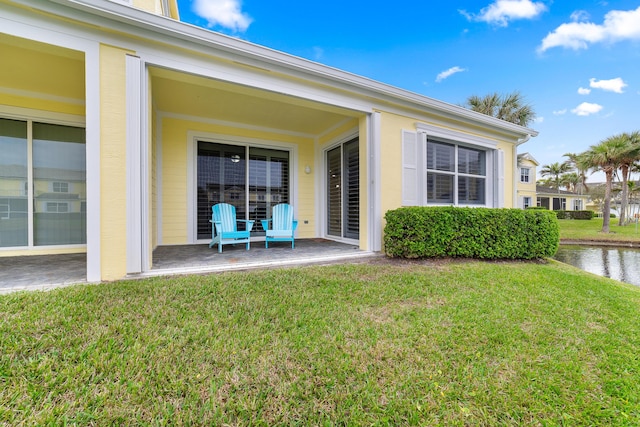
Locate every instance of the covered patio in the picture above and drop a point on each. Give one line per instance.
(45, 272)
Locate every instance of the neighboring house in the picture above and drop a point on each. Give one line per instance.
(526, 180)
(120, 121)
(561, 200)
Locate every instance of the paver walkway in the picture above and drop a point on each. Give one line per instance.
(42, 272)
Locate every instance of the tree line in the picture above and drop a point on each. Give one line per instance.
(617, 155)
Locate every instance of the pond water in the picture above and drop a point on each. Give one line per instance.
(621, 264)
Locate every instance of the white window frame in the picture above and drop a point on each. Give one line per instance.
(57, 205)
(414, 165)
(577, 204)
(192, 170)
(27, 116)
(456, 174)
(63, 187)
(524, 177)
(526, 202)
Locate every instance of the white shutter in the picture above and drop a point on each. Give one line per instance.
(521, 202)
(500, 179)
(410, 163)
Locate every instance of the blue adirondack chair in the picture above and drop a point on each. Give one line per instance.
(283, 226)
(224, 226)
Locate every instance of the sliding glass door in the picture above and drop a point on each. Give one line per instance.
(42, 184)
(343, 190)
(253, 187)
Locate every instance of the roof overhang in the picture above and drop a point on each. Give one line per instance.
(131, 21)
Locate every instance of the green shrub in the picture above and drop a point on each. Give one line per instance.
(574, 214)
(538, 208)
(483, 233)
(612, 215)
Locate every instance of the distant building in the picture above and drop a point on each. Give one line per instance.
(560, 200)
(526, 180)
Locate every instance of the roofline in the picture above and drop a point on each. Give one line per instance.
(165, 27)
(529, 157)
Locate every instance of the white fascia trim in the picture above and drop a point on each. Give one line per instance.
(456, 136)
(170, 31)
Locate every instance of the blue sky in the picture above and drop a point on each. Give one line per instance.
(577, 63)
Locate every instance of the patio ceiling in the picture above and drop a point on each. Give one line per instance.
(190, 95)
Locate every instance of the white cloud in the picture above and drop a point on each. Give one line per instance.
(579, 16)
(618, 25)
(225, 13)
(538, 119)
(318, 53)
(447, 73)
(586, 109)
(502, 11)
(614, 85)
(584, 91)
(560, 112)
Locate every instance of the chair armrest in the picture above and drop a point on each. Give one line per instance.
(295, 224)
(265, 223)
(248, 223)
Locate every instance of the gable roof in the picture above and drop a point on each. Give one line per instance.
(529, 157)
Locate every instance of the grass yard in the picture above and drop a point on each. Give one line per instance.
(388, 343)
(589, 230)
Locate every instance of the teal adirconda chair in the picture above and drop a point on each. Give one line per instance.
(224, 226)
(281, 226)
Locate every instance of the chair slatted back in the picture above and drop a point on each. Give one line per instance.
(226, 215)
(282, 216)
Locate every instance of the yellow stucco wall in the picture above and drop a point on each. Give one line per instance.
(113, 208)
(153, 6)
(391, 126)
(175, 165)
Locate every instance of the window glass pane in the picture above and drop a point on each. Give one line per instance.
(13, 180)
(59, 185)
(471, 161)
(439, 188)
(221, 179)
(334, 192)
(440, 156)
(351, 193)
(268, 183)
(471, 190)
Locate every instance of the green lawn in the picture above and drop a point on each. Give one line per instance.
(399, 343)
(589, 230)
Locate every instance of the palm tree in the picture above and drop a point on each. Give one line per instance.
(570, 181)
(555, 171)
(511, 107)
(573, 160)
(630, 155)
(605, 156)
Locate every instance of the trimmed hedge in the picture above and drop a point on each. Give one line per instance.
(483, 233)
(574, 214)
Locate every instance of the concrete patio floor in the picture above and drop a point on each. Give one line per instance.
(43, 272)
